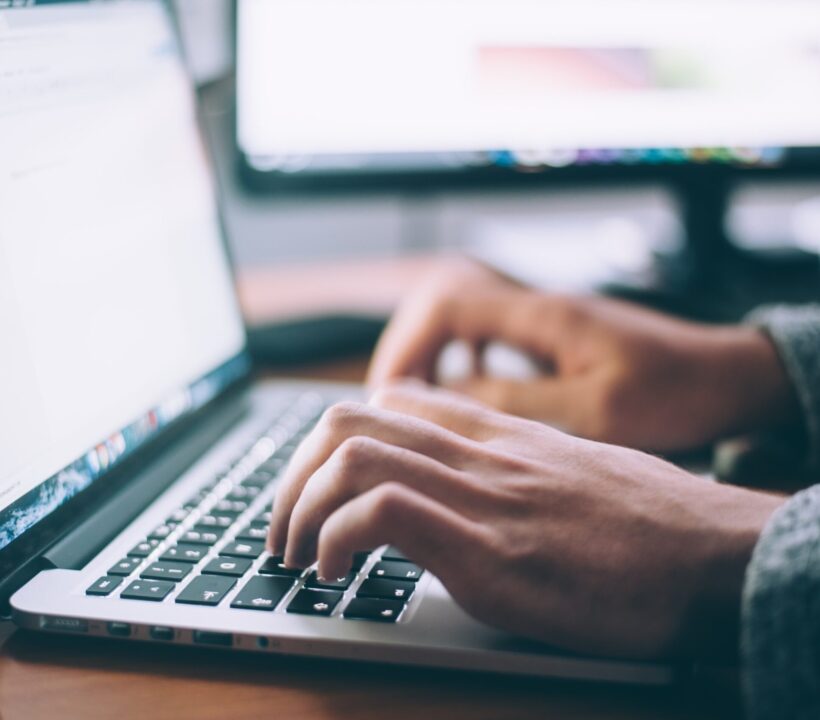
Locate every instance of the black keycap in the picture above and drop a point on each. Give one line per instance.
(252, 533)
(379, 610)
(258, 479)
(185, 553)
(230, 507)
(178, 515)
(104, 586)
(232, 567)
(143, 549)
(314, 602)
(263, 518)
(274, 565)
(393, 553)
(243, 494)
(125, 566)
(273, 466)
(392, 570)
(386, 589)
(195, 537)
(262, 593)
(359, 559)
(215, 529)
(162, 532)
(215, 520)
(174, 571)
(206, 590)
(154, 590)
(196, 500)
(243, 549)
(341, 583)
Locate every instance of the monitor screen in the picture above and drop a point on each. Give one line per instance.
(117, 309)
(364, 85)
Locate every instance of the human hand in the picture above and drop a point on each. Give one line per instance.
(591, 547)
(612, 371)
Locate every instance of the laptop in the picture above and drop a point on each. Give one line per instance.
(138, 457)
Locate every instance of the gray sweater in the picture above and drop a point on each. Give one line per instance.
(780, 631)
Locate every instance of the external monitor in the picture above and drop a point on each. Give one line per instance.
(438, 90)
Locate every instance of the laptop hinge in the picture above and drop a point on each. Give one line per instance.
(87, 539)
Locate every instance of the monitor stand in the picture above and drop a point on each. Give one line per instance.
(712, 278)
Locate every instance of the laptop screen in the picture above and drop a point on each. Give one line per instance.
(117, 309)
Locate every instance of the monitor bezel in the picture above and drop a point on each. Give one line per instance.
(24, 550)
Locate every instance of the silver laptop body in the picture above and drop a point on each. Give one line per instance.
(137, 460)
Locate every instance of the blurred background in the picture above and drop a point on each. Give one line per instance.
(665, 152)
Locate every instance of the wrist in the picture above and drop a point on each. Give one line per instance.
(711, 627)
(751, 381)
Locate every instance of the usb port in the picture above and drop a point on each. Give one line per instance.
(213, 638)
(162, 633)
(119, 629)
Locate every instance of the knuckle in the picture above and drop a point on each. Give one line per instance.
(388, 501)
(354, 453)
(339, 416)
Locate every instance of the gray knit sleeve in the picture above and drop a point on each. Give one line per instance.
(780, 630)
(795, 331)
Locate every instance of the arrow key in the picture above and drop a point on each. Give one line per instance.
(314, 602)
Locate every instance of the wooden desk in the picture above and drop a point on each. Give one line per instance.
(48, 677)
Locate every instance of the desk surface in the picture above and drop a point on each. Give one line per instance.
(46, 677)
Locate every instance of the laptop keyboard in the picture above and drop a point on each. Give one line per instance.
(211, 551)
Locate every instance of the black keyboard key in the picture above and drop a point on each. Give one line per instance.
(185, 553)
(178, 516)
(230, 507)
(314, 602)
(393, 553)
(393, 570)
(143, 549)
(206, 590)
(273, 466)
(274, 565)
(386, 589)
(359, 559)
(262, 593)
(215, 529)
(174, 571)
(386, 611)
(195, 537)
(232, 567)
(153, 590)
(252, 533)
(125, 566)
(342, 583)
(258, 479)
(215, 520)
(104, 586)
(162, 532)
(244, 549)
(263, 518)
(243, 494)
